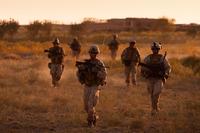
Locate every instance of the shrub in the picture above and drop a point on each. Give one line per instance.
(8, 27)
(179, 69)
(192, 62)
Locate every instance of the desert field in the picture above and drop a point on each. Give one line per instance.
(28, 103)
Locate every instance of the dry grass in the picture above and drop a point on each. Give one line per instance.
(29, 104)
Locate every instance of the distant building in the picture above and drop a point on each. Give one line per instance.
(129, 24)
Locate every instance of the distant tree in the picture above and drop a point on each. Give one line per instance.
(77, 30)
(192, 31)
(34, 28)
(40, 30)
(8, 27)
(12, 27)
(93, 20)
(165, 24)
(47, 28)
(171, 21)
(2, 29)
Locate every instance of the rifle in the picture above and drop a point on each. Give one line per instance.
(54, 53)
(157, 70)
(46, 51)
(84, 68)
(89, 64)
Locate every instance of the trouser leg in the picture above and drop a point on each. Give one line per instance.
(56, 72)
(156, 88)
(113, 54)
(127, 75)
(134, 75)
(91, 100)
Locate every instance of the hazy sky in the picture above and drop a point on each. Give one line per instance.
(68, 11)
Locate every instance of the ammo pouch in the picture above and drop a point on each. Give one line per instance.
(127, 62)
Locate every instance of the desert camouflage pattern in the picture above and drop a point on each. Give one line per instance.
(91, 98)
(154, 87)
(130, 58)
(56, 71)
(113, 53)
(56, 54)
(156, 59)
(131, 72)
(155, 84)
(95, 77)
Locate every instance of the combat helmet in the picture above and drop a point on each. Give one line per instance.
(75, 38)
(156, 45)
(56, 41)
(94, 49)
(132, 41)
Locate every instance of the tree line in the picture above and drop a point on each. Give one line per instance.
(34, 31)
(42, 30)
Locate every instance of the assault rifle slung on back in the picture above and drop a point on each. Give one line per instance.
(88, 63)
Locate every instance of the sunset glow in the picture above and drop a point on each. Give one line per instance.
(69, 11)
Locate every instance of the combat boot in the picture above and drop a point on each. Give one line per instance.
(153, 112)
(94, 122)
(90, 123)
(127, 85)
(96, 117)
(55, 83)
(155, 108)
(156, 103)
(134, 83)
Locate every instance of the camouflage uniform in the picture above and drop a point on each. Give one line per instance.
(130, 58)
(155, 80)
(76, 48)
(92, 76)
(56, 54)
(56, 72)
(113, 46)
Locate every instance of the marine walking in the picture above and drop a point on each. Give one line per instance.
(156, 70)
(75, 48)
(130, 58)
(56, 66)
(92, 74)
(113, 46)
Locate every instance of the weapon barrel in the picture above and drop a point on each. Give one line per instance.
(46, 50)
(79, 63)
(84, 63)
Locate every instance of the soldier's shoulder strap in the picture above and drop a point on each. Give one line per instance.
(100, 62)
(164, 57)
